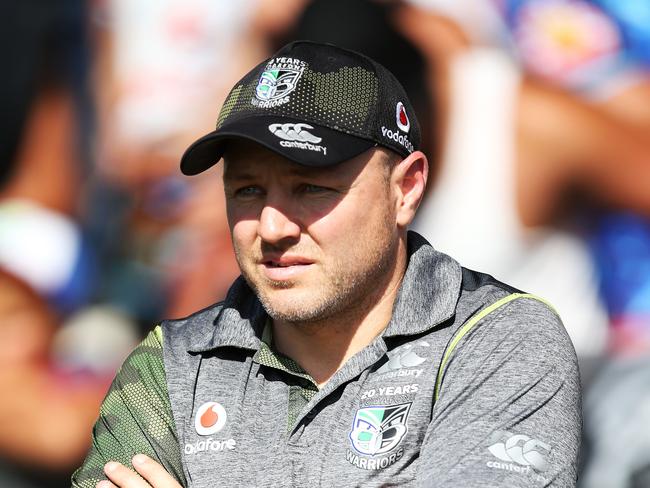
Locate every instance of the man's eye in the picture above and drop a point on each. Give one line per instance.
(308, 188)
(248, 191)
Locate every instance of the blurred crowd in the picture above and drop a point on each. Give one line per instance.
(536, 115)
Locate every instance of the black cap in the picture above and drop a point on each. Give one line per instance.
(315, 104)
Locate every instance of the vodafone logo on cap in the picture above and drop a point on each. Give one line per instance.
(210, 418)
(403, 121)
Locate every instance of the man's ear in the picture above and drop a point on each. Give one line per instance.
(409, 178)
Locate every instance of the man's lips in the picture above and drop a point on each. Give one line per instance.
(285, 261)
(285, 267)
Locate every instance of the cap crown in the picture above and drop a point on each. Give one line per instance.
(329, 86)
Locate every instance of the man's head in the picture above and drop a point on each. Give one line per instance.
(322, 178)
(316, 242)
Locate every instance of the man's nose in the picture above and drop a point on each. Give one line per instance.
(276, 225)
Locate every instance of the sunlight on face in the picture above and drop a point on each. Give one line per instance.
(311, 242)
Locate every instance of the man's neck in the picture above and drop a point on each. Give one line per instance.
(323, 347)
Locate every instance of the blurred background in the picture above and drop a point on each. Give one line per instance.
(536, 115)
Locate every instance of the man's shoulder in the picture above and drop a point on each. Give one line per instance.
(183, 333)
(506, 310)
(478, 292)
(507, 313)
(201, 330)
(500, 328)
(476, 280)
(196, 320)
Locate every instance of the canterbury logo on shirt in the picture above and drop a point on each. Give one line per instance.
(520, 449)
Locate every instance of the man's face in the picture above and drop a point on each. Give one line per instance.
(312, 242)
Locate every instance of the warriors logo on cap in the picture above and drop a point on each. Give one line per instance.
(276, 82)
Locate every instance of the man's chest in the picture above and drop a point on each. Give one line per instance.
(247, 429)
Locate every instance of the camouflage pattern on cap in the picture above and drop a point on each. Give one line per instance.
(342, 99)
(351, 102)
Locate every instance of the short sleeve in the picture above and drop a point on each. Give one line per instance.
(135, 417)
(509, 411)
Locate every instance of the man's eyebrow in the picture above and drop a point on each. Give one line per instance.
(310, 171)
(296, 170)
(239, 175)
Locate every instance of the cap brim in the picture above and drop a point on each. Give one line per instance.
(304, 143)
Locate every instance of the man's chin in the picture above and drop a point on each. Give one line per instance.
(279, 284)
(293, 307)
(263, 286)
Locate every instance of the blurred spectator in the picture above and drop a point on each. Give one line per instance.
(45, 413)
(45, 263)
(60, 271)
(162, 66)
(477, 181)
(536, 155)
(41, 47)
(600, 50)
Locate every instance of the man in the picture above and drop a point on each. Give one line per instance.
(350, 352)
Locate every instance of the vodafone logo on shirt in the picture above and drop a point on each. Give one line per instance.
(210, 418)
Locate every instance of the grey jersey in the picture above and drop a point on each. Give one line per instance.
(472, 383)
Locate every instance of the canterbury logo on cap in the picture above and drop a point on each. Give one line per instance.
(294, 132)
(296, 136)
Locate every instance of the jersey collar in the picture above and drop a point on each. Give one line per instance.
(427, 297)
(429, 291)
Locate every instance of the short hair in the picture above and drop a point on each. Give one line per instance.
(390, 159)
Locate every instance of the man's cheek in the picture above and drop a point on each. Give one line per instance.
(237, 215)
(243, 235)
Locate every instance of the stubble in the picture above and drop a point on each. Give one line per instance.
(350, 285)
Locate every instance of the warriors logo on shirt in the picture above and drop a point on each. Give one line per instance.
(376, 432)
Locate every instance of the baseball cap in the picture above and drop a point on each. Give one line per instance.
(315, 104)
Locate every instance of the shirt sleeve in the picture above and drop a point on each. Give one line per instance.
(508, 412)
(135, 417)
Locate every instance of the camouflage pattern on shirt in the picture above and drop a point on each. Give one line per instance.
(135, 417)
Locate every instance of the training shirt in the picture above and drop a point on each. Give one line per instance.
(472, 383)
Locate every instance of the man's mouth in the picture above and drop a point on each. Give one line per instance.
(285, 267)
(276, 264)
(285, 261)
